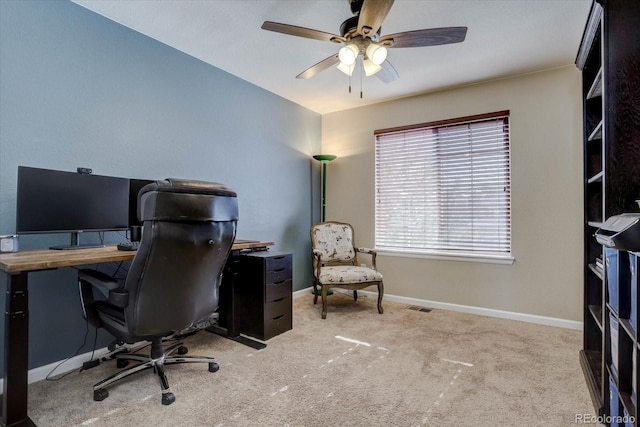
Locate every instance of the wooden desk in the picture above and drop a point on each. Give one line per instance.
(17, 267)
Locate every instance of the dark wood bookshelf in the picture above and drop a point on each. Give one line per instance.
(609, 59)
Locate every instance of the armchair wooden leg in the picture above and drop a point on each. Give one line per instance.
(315, 293)
(324, 301)
(380, 294)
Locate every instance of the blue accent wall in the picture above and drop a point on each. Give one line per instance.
(77, 89)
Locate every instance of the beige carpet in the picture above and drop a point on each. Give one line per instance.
(356, 368)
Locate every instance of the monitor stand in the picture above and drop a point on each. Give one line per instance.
(75, 243)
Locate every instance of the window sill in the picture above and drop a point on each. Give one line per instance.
(447, 256)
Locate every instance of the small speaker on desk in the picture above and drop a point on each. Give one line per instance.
(9, 243)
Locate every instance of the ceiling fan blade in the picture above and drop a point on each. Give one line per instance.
(371, 16)
(388, 73)
(292, 30)
(428, 37)
(320, 66)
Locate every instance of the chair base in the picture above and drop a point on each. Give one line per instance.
(146, 361)
(324, 291)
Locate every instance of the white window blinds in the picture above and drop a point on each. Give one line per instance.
(445, 187)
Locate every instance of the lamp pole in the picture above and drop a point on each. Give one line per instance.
(324, 159)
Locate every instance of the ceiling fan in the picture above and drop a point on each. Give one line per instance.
(360, 35)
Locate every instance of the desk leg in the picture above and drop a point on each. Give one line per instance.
(16, 352)
(226, 303)
(228, 321)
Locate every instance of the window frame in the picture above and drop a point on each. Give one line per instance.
(444, 254)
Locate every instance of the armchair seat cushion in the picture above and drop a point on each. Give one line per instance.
(348, 274)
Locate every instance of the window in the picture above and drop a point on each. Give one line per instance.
(444, 188)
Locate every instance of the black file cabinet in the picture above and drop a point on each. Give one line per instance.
(265, 294)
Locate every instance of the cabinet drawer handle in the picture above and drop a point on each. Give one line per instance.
(278, 270)
(279, 283)
(279, 299)
(278, 317)
(279, 257)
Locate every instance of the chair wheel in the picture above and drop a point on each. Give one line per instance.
(183, 350)
(213, 367)
(100, 394)
(122, 363)
(168, 398)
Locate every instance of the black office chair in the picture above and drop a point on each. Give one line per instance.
(172, 283)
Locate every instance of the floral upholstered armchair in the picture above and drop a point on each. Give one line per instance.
(335, 263)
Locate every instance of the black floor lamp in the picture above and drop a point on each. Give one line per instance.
(324, 159)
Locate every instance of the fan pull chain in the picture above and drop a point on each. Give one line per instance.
(361, 73)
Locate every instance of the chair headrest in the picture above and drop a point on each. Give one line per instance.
(187, 201)
(174, 185)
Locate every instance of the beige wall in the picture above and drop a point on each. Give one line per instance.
(546, 132)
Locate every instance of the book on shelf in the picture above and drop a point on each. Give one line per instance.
(599, 263)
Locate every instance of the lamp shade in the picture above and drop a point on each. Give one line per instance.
(376, 53)
(325, 157)
(347, 69)
(348, 54)
(370, 68)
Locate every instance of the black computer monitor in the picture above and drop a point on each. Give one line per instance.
(51, 201)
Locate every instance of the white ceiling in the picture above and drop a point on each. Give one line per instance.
(505, 38)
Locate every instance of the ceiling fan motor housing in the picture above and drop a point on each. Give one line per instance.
(349, 29)
(349, 26)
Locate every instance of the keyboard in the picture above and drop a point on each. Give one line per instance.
(128, 246)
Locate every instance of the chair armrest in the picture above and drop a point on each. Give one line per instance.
(117, 296)
(366, 250)
(98, 279)
(371, 252)
(316, 256)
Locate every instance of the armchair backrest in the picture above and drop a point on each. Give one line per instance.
(188, 230)
(334, 241)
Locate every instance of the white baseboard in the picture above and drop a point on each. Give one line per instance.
(40, 373)
(301, 292)
(522, 317)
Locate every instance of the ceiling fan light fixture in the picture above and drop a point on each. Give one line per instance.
(376, 53)
(370, 68)
(360, 35)
(348, 54)
(347, 69)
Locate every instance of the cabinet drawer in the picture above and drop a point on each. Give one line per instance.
(277, 317)
(275, 309)
(277, 326)
(278, 262)
(277, 290)
(278, 275)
